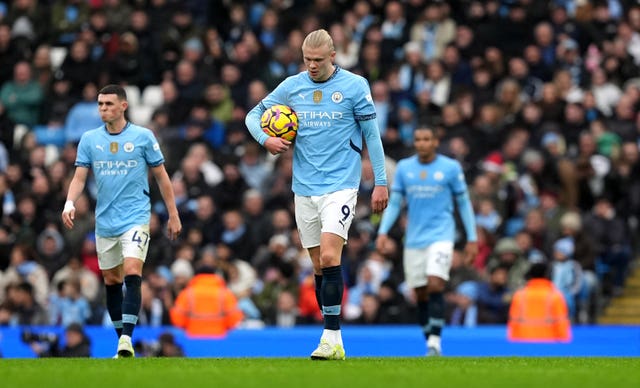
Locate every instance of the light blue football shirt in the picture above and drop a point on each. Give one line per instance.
(328, 146)
(429, 191)
(120, 165)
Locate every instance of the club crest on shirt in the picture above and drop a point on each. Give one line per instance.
(423, 174)
(438, 175)
(336, 97)
(317, 96)
(113, 147)
(128, 147)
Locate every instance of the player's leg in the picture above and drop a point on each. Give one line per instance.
(110, 263)
(415, 274)
(439, 259)
(331, 291)
(436, 308)
(314, 254)
(135, 244)
(332, 285)
(132, 296)
(336, 213)
(309, 227)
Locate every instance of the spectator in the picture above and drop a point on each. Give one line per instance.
(10, 53)
(126, 67)
(153, 311)
(393, 308)
(27, 311)
(182, 269)
(166, 346)
(23, 96)
(257, 217)
(613, 248)
(74, 270)
(433, 31)
(494, 298)
(76, 343)
(566, 273)
(24, 269)
(206, 307)
(67, 17)
(51, 250)
(538, 312)
(161, 252)
(589, 296)
(242, 278)
(286, 315)
(79, 68)
(59, 103)
(228, 193)
(69, 306)
(252, 166)
(218, 98)
(507, 253)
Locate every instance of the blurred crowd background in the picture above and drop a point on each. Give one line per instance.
(536, 99)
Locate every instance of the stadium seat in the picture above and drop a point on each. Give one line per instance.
(47, 135)
(141, 114)
(152, 96)
(133, 95)
(57, 56)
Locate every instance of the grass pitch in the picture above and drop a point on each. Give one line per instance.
(449, 372)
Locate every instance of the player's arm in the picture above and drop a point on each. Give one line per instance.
(275, 145)
(389, 217)
(174, 226)
(468, 220)
(380, 195)
(76, 186)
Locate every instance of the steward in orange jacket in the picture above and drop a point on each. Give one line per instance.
(538, 311)
(206, 307)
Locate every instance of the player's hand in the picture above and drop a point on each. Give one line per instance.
(379, 199)
(381, 242)
(276, 145)
(68, 214)
(470, 252)
(174, 227)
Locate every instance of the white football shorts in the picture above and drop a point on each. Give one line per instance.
(434, 260)
(132, 243)
(328, 213)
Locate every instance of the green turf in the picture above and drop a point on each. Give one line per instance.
(449, 372)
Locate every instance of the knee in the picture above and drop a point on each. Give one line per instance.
(111, 278)
(329, 260)
(435, 285)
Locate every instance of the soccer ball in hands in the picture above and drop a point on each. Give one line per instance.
(280, 121)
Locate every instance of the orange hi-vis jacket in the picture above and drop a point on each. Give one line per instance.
(538, 313)
(206, 307)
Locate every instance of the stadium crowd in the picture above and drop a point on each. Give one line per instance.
(537, 100)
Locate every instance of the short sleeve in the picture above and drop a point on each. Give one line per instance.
(363, 108)
(458, 182)
(83, 155)
(153, 154)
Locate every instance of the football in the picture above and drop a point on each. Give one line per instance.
(280, 121)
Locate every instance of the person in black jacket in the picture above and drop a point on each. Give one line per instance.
(76, 343)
